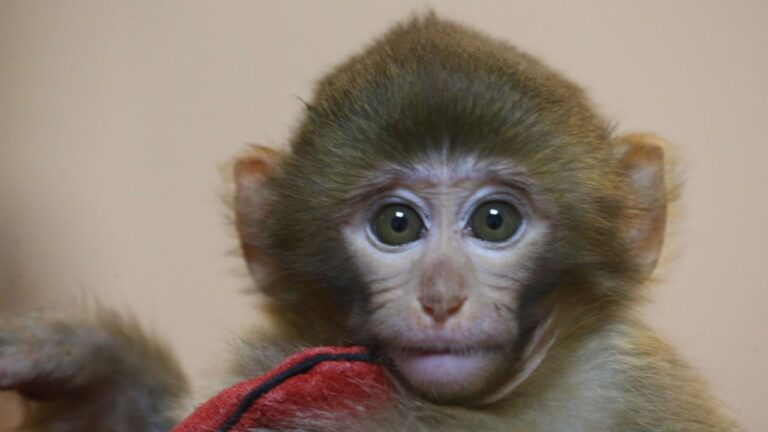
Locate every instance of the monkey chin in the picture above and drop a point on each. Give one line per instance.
(450, 375)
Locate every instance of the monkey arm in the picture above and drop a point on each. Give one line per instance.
(99, 373)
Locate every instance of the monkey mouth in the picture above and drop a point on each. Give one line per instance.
(456, 350)
(444, 369)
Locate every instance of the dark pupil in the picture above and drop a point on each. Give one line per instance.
(493, 219)
(399, 222)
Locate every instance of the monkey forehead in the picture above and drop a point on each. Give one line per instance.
(443, 169)
(432, 87)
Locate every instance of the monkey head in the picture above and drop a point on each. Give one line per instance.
(454, 204)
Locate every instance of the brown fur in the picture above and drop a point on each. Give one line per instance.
(427, 88)
(98, 372)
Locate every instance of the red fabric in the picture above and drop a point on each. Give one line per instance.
(337, 387)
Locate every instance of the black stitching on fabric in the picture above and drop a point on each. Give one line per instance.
(300, 368)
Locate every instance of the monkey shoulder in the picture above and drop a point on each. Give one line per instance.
(623, 376)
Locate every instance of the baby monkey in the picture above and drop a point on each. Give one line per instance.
(458, 207)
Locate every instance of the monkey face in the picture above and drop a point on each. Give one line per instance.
(457, 206)
(447, 247)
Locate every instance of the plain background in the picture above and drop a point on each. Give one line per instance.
(115, 118)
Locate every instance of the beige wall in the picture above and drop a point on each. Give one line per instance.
(115, 115)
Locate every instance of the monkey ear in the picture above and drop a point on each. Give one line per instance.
(641, 157)
(252, 200)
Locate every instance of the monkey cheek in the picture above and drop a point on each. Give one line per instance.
(449, 377)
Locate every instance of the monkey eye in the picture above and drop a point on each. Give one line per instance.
(495, 221)
(397, 224)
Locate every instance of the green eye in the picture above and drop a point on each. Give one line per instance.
(397, 224)
(495, 221)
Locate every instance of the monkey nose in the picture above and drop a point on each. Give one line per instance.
(440, 309)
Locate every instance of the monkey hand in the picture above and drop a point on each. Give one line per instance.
(99, 373)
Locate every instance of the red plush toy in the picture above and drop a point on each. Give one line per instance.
(343, 380)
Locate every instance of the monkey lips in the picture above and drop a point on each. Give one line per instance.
(449, 372)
